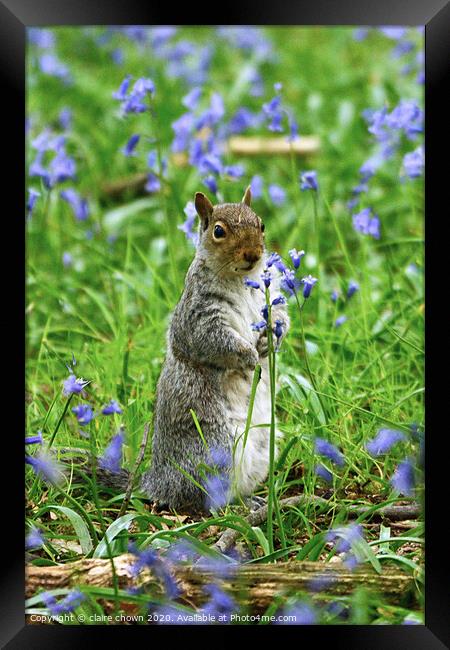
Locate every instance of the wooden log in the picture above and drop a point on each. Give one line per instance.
(254, 584)
(275, 146)
(243, 145)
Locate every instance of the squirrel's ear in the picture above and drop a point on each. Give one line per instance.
(204, 208)
(247, 198)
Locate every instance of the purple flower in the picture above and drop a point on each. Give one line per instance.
(296, 257)
(84, 413)
(278, 330)
(279, 300)
(220, 603)
(325, 448)
(32, 197)
(353, 287)
(153, 183)
(182, 127)
(364, 223)
(260, 326)
(74, 385)
(34, 539)
(302, 613)
(393, 32)
(63, 606)
(217, 488)
(67, 259)
(308, 283)
(251, 283)
(272, 259)
(213, 114)
(308, 181)
(384, 441)
(235, 171)
(111, 407)
(403, 479)
(219, 458)
(149, 558)
(42, 38)
(50, 65)
(413, 162)
(256, 185)
(347, 536)
(131, 145)
(277, 194)
(242, 120)
(79, 205)
(32, 440)
(289, 283)
(272, 111)
(117, 56)
(192, 98)
(324, 473)
(265, 313)
(210, 183)
(45, 467)
(293, 128)
(122, 92)
(360, 33)
(65, 118)
(188, 225)
(334, 295)
(367, 170)
(266, 277)
(111, 459)
(340, 320)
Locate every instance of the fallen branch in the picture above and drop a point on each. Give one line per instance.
(253, 584)
(257, 517)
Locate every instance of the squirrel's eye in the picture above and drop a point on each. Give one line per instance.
(263, 227)
(219, 232)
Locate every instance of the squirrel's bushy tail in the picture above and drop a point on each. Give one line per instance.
(81, 459)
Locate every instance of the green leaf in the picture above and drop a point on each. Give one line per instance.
(262, 539)
(113, 530)
(79, 526)
(302, 390)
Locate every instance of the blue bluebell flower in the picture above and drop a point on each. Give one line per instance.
(153, 183)
(242, 120)
(252, 283)
(111, 407)
(345, 536)
(74, 385)
(308, 181)
(192, 98)
(296, 257)
(79, 205)
(210, 183)
(34, 539)
(32, 440)
(45, 467)
(301, 613)
(123, 89)
(353, 287)
(308, 283)
(67, 259)
(234, 171)
(367, 224)
(327, 449)
(50, 65)
(265, 313)
(340, 320)
(220, 604)
(65, 605)
(213, 114)
(334, 295)
(413, 162)
(260, 326)
(188, 225)
(32, 198)
(42, 38)
(403, 479)
(278, 330)
(279, 300)
(289, 282)
(65, 118)
(256, 186)
(111, 459)
(277, 194)
(117, 56)
(217, 487)
(384, 441)
(272, 111)
(130, 146)
(393, 32)
(84, 413)
(266, 277)
(323, 473)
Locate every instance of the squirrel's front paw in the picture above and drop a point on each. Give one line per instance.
(262, 346)
(249, 357)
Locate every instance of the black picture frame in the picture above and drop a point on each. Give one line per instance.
(15, 16)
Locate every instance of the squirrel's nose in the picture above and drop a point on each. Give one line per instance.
(251, 256)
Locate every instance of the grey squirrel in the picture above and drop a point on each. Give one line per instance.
(212, 352)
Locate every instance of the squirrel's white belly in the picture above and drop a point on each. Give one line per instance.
(251, 457)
